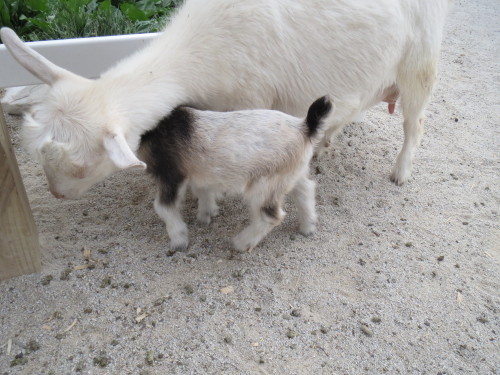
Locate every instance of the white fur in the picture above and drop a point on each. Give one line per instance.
(229, 55)
(176, 227)
(259, 154)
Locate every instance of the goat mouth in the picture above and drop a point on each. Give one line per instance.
(57, 195)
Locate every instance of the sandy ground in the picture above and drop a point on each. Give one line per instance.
(397, 280)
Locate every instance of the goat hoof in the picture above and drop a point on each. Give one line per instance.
(308, 230)
(399, 177)
(179, 245)
(241, 245)
(204, 218)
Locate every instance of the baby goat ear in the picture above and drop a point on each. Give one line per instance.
(120, 153)
(32, 61)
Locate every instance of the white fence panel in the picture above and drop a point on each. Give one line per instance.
(88, 57)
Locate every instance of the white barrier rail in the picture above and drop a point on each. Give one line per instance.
(88, 57)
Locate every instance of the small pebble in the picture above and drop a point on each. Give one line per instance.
(19, 360)
(188, 289)
(65, 274)
(47, 279)
(239, 274)
(150, 356)
(291, 334)
(376, 319)
(409, 244)
(295, 313)
(101, 361)
(32, 346)
(106, 282)
(440, 258)
(367, 331)
(80, 366)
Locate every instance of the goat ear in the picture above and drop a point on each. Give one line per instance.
(32, 61)
(120, 153)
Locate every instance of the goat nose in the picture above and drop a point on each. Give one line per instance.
(56, 194)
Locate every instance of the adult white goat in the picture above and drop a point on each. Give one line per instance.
(229, 55)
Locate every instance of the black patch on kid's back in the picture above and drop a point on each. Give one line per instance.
(162, 149)
(316, 114)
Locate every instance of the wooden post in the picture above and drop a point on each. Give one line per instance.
(19, 246)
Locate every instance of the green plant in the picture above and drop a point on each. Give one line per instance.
(54, 19)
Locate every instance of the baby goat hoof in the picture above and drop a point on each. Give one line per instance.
(206, 217)
(306, 232)
(242, 246)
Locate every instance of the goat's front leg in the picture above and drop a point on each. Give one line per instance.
(167, 205)
(264, 218)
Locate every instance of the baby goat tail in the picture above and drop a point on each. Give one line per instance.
(316, 115)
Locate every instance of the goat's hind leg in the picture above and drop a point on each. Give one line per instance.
(415, 92)
(303, 195)
(167, 205)
(207, 205)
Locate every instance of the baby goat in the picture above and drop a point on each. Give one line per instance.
(260, 154)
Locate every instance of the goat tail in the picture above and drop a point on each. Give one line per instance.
(316, 114)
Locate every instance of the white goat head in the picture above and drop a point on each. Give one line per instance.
(73, 132)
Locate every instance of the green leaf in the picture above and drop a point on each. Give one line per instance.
(5, 16)
(133, 13)
(105, 6)
(41, 24)
(37, 5)
(149, 7)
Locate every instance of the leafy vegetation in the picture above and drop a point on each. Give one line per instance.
(62, 19)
